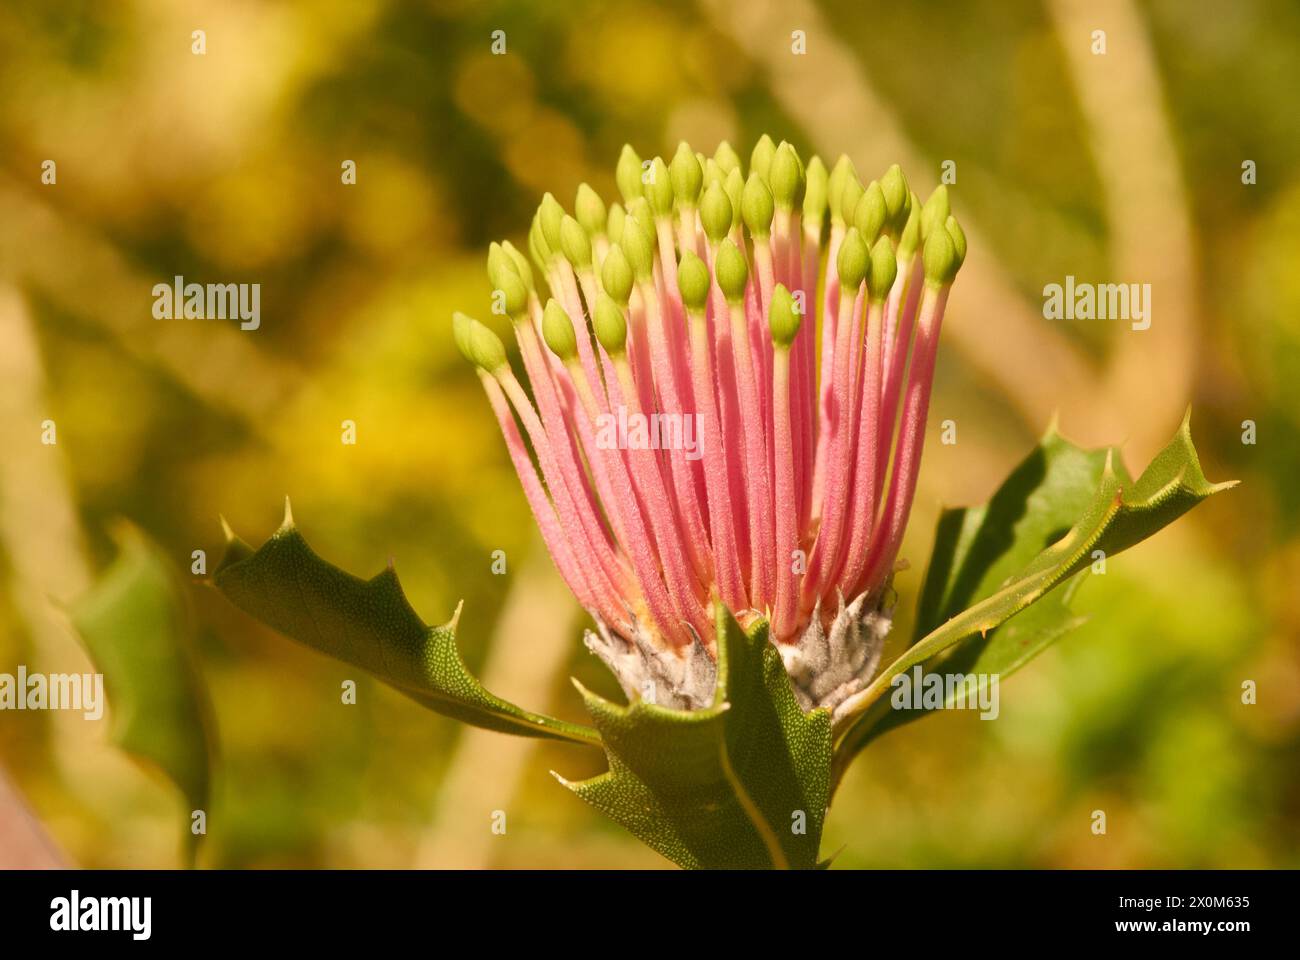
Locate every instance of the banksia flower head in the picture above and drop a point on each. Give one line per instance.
(712, 419)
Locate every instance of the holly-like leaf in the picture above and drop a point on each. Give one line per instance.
(1003, 558)
(743, 783)
(138, 628)
(371, 625)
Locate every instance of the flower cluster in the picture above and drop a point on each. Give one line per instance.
(730, 379)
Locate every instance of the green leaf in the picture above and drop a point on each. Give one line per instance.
(977, 549)
(993, 563)
(137, 626)
(730, 786)
(370, 624)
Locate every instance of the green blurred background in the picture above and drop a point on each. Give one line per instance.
(226, 167)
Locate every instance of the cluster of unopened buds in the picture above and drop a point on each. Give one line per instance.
(728, 405)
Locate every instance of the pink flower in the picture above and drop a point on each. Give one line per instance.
(702, 447)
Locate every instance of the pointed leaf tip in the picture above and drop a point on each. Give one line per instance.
(1053, 426)
(454, 622)
(995, 567)
(370, 624)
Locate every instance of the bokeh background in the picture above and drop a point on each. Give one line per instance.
(226, 167)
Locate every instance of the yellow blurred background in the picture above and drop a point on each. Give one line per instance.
(225, 166)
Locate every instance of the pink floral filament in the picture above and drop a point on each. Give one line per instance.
(675, 455)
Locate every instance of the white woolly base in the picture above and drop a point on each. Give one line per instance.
(826, 666)
(648, 672)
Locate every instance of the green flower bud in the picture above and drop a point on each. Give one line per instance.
(713, 173)
(693, 282)
(520, 263)
(756, 206)
(884, 269)
(842, 170)
(514, 292)
(853, 261)
(610, 324)
(551, 215)
(616, 275)
(477, 343)
(497, 261)
(935, 211)
(940, 259)
(726, 157)
(782, 317)
(716, 213)
(893, 186)
(786, 177)
(639, 210)
(871, 212)
(850, 194)
(958, 237)
(614, 222)
(760, 158)
(733, 271)
(627, 174)
(814, 196)
(735, 187)
(558, 332)
(640, 252)
(659, 191)
(686, 176)
(910, 238)
(461, 326)
(575, 243)
(537, 245)
(589, 210)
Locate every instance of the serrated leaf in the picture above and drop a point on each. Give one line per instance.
(371, 625)
(723, 787)
(137, 626)
(1007, 556)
